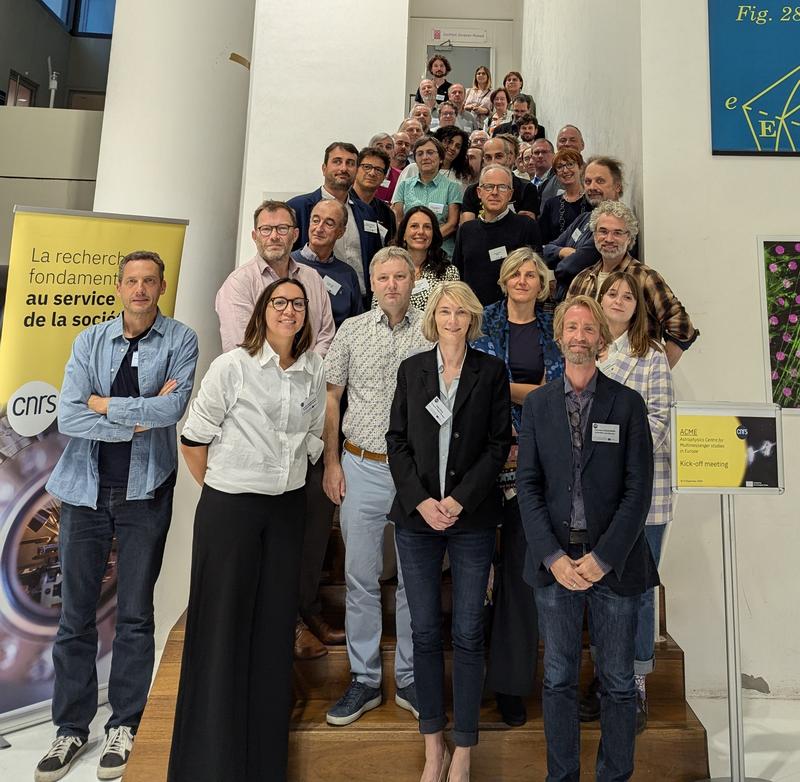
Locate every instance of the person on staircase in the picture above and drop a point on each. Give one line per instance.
(449, 434)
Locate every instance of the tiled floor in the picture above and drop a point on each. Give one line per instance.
(772, 740)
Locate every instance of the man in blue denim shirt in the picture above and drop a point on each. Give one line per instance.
(126, 385)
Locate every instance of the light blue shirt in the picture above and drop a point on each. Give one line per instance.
(168, 351)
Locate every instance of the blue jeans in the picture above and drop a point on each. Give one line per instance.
(646, 628)
(85, 540)
(421, 556)
(612, 623)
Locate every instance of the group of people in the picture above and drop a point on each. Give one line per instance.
(437, 344)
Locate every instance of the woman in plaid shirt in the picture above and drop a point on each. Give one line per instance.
(639, 362)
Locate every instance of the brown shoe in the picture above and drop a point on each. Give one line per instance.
(306, 645)
(332, 636)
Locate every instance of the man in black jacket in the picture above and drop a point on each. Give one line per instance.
(586, 437)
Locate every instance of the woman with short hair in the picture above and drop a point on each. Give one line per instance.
(559, 211)
(449, 433)
(501, 110)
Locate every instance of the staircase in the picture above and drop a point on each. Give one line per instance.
(385, 743)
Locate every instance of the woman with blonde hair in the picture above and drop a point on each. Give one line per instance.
(449, 433)
(519, 330)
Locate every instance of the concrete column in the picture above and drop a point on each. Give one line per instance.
(323, 72)
(172, 146)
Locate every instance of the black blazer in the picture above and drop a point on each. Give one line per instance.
(479, 440)
(617, 481)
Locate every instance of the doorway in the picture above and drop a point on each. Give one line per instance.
(464, 60)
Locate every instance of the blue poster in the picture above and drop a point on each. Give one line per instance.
(754, 57)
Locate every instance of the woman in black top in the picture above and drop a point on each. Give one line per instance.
(559, 211)
(449, 433)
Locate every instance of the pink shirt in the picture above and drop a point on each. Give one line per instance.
(237, 298)
(386, 193)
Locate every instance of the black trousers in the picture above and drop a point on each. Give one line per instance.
(514, 646)
(235, 693)
(319, 519)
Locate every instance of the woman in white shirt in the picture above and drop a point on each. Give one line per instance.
(250, 432)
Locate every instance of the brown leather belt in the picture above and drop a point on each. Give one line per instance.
(364, 454)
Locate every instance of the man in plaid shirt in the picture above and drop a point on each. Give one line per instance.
(615, 229)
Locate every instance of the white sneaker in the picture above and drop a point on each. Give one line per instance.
(115, 754)
(58, 760)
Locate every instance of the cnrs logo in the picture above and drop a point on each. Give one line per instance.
(32, 408)
(741, 432)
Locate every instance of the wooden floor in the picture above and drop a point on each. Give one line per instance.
(385, 744)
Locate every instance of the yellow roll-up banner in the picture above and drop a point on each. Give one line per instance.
(61, 280)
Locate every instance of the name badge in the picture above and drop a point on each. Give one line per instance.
(331, 285)
(370, 226)
(439, 97)
(308, 405)
(386, 183)
(498, 253)
(437, 209)
(605, 433)
(420, 286)
(576, 234)
(135, 359)
(438, 410)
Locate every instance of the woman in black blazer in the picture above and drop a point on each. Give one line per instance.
(448, 438)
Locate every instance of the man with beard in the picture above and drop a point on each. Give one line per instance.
(614, 228)
(438, 67)
(361, 238)
(586, 438)
(574, 250)
(274, 231)
(423, 115)
(402, 149)
(427, 93)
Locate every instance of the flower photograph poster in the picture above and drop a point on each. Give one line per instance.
(781, 274)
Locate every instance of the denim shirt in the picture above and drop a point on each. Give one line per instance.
(495, 343)
(168, 351)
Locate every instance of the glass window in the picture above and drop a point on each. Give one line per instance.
(96, 17)
(60, 8)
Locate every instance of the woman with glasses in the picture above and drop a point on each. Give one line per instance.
(519, 330)
(478, 98)
(449, 433)
(559, 212)
(430, 187)
(250, 432)
(513, 82)
(501, 110)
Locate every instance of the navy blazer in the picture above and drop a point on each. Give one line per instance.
(479, 441)
(370, 242)
(617, 481)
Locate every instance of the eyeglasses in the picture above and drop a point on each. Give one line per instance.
(280, 304)
(281, 230)
(617, 234)
(369, 168)
(499, 188)
(564, 166)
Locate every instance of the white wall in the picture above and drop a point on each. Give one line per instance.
(172, 146)
(581, 61)
(703, 216)
(350, 58)
(48, 158)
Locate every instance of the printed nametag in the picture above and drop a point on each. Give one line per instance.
(440, 97)
(370, 226)
(605, 433)
(331, 285)
(498, 253)
(308, 405)
(420, 286)
(576, 234)
(437, 209)
(438, 410)
(386, 183)
(135, 359)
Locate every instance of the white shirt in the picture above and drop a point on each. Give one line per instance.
(620, 346)
(262, 422)
(348, 246)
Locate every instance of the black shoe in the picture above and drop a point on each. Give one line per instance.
(641, 713)
(58, 761)
(589, 702)
(115, 754)
(512, 709)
